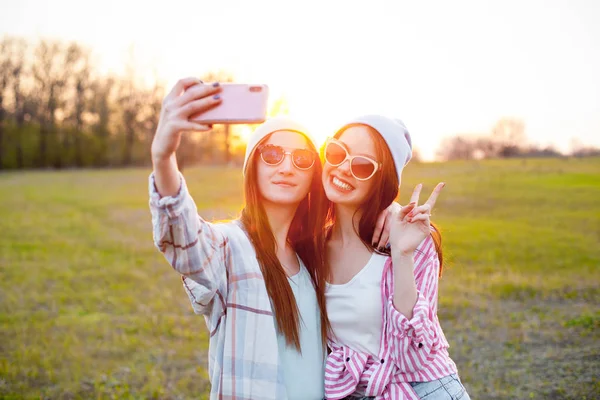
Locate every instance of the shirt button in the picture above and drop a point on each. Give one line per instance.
(420, 345)
(382, 360)
(347, 359)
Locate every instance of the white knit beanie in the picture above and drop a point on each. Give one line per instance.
(274, 124)
(395, 134)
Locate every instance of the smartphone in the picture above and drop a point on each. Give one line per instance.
(241, 103)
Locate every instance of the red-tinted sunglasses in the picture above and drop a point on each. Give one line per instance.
(302, 159)
(361, 167)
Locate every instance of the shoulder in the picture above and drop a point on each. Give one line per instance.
(230, 231)
(237, 237)
(228, 227)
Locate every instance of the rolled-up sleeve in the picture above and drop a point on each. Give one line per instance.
(195, 248)
(415, 341)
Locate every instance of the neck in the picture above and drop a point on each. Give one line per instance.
(280, 218)
(346, 226)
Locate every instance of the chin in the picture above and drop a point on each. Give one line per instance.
(283, 199)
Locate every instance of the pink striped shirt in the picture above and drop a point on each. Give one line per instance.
(414, 350)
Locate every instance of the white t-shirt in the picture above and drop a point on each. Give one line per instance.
(355, 308)
(304, 374)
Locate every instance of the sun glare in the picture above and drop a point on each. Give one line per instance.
(245, 133)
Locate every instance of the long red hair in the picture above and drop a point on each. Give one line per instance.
(306, 236)
(384, 192)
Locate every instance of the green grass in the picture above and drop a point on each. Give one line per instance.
(90, 309)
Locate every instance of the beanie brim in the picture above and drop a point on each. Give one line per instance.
(394, 133)
(274, 124)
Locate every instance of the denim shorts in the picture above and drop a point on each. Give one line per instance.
(447, 388)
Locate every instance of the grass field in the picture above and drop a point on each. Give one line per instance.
(90, 309)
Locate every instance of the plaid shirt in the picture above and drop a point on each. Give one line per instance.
(414, 350)
(222, 277)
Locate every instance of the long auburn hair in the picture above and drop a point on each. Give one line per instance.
(306, 236)
(384, 191)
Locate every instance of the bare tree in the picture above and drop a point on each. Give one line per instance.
(51, 69)
(6, 69)
(131, 100)
(151, 115)
(101, 109)
(22, 104)
(509, 136)
(130, 103)
(81, 84)
(507, 139)
(457, 148)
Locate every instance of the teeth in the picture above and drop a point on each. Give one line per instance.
(341, 185)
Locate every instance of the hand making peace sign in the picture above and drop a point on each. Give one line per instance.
(410, 225)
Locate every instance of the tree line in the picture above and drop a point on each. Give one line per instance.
(507, 139)
(58, 111)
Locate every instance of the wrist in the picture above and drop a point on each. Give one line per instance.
(403, 254)
(159, 160)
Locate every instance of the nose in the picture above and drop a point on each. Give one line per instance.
(286, 167)
(344, 168)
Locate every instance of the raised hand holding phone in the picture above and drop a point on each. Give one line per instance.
(188, 97)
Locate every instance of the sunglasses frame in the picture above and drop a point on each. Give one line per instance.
(351, 158)
(285, 153)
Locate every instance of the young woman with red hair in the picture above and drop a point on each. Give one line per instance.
(386, 341)
(255, 279)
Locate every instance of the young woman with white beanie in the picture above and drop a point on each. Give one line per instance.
(254, 279)
(386, 341)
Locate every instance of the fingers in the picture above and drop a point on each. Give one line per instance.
(424, 209)
(198, 106)
(406, 210)
(385, 237)
(181, 85)
(197, 92)
(434, 195)
(381, 222)
(419, 217)
(415, 195)
(392, 211)
(192, 126)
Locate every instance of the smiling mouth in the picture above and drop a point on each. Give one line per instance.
(341, 185)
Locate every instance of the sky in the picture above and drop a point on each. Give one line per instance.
(444, 68)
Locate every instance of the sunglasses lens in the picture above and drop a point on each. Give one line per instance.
(335, 154)
(303, 159)
(272, 154)
(362, 168)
